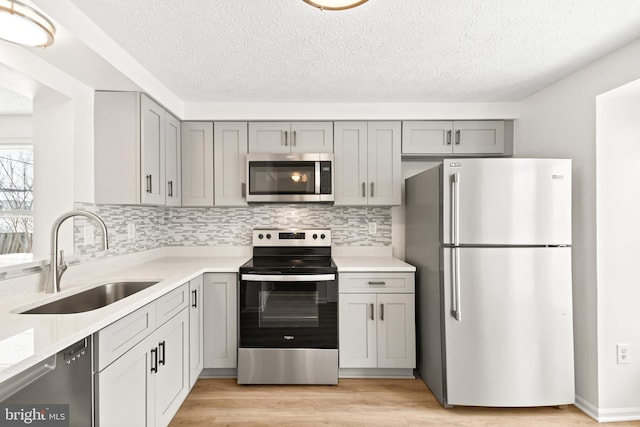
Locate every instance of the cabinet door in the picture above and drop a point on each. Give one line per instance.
(172, 378)
(350, 163)
(197, 164)
(427, 137)
(153, 152)
(358, 331)
(173, 158)
(312, 137)
(121, 390)
(269, 137)
(396, 331)
(196, 334)
(230, 155)
(384, 163)
(478, 137)
(220, 321)
(117, 148)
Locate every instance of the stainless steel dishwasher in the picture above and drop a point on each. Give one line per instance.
(65, 378)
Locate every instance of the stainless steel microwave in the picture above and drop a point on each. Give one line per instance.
(290, 178)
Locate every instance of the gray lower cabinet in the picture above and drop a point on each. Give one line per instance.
(196, 333)
(220, 321)
(377, 323)
(142, 364)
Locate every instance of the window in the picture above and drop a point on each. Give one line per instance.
(16, 199)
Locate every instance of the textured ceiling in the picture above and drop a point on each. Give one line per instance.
(382, 51)
(14, 103)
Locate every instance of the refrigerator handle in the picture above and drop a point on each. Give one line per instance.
(456, 311)
(455, 209)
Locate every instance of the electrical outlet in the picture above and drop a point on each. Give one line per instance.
(131, 231)
(373, 228)
(89, 238)
(624, 353)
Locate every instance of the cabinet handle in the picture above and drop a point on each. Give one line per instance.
(448, 137)
(194, 299)
(148, 183)
(286, 138)
(371, 306)
(381, 311)
(154, 360)
(364, 190)
(377, 283)
(170, 188)
(372, 189)
(458, 137)
(162, 353)
(243, 189)
(294, 138)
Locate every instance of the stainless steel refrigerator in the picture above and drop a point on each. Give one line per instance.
(491, 240)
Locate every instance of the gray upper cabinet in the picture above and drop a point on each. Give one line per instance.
(230, 155)
(197, 163)
(367, 163)
(152, 134)
(437, 138)
(131, 156)
(290, 137)
(173, 161)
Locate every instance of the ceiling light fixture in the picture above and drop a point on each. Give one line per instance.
(21, 24)
(334, 4)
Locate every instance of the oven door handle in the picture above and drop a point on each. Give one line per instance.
(288, 277)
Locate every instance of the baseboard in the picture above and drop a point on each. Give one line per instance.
(219, 373)
(607, 415)
(395, 373)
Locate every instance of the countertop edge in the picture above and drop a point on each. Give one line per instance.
(173, 271)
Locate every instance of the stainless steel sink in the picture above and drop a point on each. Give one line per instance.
(91, 299)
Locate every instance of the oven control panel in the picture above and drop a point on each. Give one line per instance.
(292, 237)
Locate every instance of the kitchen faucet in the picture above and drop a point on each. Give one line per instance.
(57, 265)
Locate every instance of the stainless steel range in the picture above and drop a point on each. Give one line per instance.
(288, 309)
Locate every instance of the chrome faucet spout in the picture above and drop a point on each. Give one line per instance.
(57, 266)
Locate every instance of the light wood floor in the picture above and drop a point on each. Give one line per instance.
(221, 402)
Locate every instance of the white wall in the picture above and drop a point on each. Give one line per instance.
(53, 164)
(618, 234)
(560, 121)
(16, 129)
(62, 139)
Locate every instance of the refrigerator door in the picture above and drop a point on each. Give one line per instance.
(506, 202)
(508, 326)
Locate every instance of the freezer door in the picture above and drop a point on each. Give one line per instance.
(508, 327)
(506, 201)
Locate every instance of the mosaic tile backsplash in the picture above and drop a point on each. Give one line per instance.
(166, 226)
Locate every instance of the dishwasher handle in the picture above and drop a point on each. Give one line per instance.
(27, 377)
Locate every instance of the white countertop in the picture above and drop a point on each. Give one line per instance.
(26, 339)
(353, 264)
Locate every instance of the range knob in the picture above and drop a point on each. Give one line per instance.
(315, 236)
(260, 236)
(322, 236)
(268, 236)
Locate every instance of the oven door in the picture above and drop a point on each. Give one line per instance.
(288, 311)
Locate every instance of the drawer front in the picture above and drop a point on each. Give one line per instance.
(376, 282)
(117, 338)
(172, 303)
